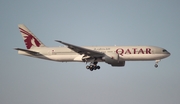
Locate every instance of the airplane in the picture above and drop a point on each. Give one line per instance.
(116, 56)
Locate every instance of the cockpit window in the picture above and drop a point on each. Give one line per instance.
(164, 50)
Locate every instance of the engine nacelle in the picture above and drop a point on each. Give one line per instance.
(113, 59)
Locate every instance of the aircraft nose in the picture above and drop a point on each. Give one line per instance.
(168, 53)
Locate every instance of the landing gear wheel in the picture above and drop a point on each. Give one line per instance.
(98, 67)
(91, 67)
(87, 67)
(156, 65)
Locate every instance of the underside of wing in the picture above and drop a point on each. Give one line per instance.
(81, 50)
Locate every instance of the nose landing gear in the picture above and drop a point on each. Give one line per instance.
(156, 63)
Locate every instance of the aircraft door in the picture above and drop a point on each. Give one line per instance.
(50, 52)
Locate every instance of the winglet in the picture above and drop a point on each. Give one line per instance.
(67, 44)
(59, 41)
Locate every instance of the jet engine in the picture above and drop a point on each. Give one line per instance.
(113, 59)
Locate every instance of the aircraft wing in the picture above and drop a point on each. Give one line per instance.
(81, 50)
(28, 51)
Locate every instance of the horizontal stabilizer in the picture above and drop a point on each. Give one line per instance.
(28, 51)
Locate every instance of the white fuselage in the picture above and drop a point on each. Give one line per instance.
(126, 53)
(113, 55)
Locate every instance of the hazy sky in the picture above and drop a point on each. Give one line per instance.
(25, 80)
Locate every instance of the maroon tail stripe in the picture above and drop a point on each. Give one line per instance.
(24, 31)
(21, 29)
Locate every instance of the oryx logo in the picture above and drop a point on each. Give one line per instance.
(29, 39)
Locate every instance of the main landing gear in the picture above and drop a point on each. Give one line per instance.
(156, 64)
(93, 66)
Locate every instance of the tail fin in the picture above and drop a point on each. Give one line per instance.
(30, 39)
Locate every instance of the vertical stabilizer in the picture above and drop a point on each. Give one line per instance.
(30, 39)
